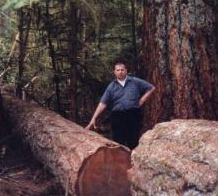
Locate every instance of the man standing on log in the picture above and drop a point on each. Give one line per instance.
(124, 96)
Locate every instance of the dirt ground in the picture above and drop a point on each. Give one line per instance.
(21, 174)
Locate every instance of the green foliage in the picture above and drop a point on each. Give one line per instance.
(16, 4)
(8, 29)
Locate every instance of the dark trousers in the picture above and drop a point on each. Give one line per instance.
(126, 126)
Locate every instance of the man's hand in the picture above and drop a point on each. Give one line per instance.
(141, 102)
(144, 98)
(91, 124)
(101, 107)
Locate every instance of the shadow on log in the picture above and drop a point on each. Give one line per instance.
(84, 162)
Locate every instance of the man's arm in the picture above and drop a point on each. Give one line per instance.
(100, 108)
(145, 97)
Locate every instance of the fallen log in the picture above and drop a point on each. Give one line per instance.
(177, 158)
(84, 162)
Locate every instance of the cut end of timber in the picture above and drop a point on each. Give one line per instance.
(105, 173)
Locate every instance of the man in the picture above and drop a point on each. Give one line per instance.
(124, 96)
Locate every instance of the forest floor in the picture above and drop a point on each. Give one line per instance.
(21, 174)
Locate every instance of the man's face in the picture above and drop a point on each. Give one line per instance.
(120, 71)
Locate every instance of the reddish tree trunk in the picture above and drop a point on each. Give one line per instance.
(84, 162)
(180, 52)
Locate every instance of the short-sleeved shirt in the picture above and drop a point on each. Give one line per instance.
(120, 98)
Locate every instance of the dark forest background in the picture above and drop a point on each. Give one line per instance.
(60, 53)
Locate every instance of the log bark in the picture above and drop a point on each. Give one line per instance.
(180, 54)
(84, 162)
(177, 158)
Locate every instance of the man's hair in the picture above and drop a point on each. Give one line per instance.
(119, 62)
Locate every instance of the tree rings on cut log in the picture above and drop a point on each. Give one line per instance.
(104, 173)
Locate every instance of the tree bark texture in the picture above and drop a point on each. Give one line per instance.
(84, 162)
(176, 158)
(180, 54)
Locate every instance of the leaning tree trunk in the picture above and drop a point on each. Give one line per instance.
(180, 54)
(84, 162)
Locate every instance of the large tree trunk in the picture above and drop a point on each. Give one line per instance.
(84, 162)
(180, 48)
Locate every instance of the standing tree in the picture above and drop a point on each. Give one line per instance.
(180, 54)
(23, 28)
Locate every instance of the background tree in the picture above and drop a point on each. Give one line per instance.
(180, 53)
